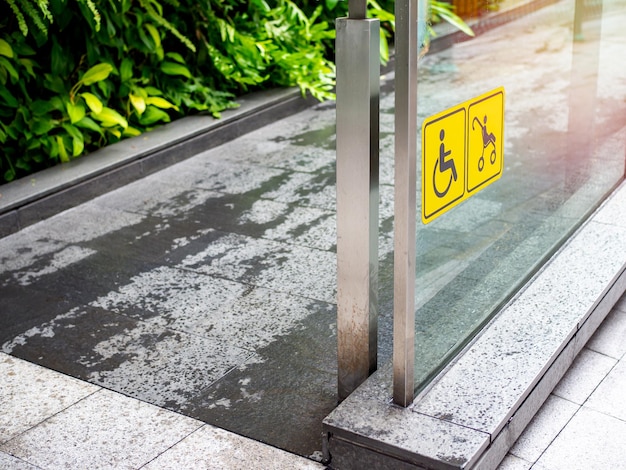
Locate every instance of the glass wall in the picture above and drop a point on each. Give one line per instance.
(562, 67)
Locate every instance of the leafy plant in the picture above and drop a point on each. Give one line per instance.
(441, 10)
(77, 75)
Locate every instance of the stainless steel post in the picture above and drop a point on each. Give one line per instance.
(578, 20)
(358, 87)
(406, 52)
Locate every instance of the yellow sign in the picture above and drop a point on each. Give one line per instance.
(462, 152)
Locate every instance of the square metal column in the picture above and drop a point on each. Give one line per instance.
(406, 54)
(358, 89)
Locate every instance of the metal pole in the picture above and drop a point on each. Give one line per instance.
(405, 201)
(583, 95)
(358, 88)
(357, 9)
(578, 20)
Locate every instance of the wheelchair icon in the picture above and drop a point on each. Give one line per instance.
(442, 165)
(487, 139)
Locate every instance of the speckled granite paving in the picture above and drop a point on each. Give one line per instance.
(52, 421)
(583, 423)
(208, 288)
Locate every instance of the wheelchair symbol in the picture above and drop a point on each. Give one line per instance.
(444, 165)
(487, 139)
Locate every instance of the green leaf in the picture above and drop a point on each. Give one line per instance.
(56, 103)
(97, 73)
(74, 132)
(152, 91)
(36, 143)
(90, 124)
(5, 49)
(110, 118)
(141, 92)
(93, 102)
(23, 163)
(29, 65)
(41, 107)
(160, 103)
(115, 132)
(154, 34)
(75, 111)
(62, 150)
(51, 143)
(8, 98)
(55, 83)
(59, 59)
(42, 126)
(126, 69)
(131, 132)
(444, 11)
(172, 68)
(175, 56)
(78, 145)
(9, 68)
(9, 175)
(138, 102)
(22, 49)
(153, 115)
(78, 141)
(226, 31)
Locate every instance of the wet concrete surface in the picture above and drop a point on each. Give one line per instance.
(209, 288)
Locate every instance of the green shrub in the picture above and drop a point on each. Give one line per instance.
(76, 75)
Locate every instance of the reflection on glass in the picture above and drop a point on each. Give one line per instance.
(564, 150)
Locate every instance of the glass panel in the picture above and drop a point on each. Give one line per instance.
(564, 150)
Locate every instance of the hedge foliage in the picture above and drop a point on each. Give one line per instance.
(76, 75)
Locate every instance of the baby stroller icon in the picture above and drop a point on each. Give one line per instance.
(487, 139)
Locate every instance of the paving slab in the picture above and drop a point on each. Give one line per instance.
(511, 462)
(590, 440)
(13, 463)
(24, 384)
(543, 429)
(609, 339)
(555, 439)
(584, 376)
(51, 420)
(608, 398)
(103, 430)
(213, 448)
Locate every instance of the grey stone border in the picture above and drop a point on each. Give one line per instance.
(31, 199)
(478, 406)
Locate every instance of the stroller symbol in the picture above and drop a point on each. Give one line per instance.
(487, 139)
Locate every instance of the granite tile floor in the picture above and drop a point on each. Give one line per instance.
(582, 425)
(205, 293)
(52, 421)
